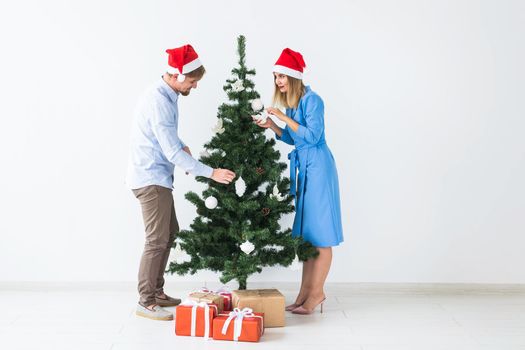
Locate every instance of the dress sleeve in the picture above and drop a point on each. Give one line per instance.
(314, 117)
(285, 137)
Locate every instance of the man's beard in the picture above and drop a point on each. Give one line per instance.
(185, 93)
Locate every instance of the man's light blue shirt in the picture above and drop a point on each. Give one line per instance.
(155, 145)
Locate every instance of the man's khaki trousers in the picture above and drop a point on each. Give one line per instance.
(161, 226)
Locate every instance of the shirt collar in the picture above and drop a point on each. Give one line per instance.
(172, 94)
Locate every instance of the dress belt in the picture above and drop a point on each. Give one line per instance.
(294, 166)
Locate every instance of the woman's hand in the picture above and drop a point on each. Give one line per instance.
(267, 124)
(276, 112)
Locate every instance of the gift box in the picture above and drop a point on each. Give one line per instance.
(195, 318)
(208, 297)
(270, 302)
(239, 325)
(226, 295)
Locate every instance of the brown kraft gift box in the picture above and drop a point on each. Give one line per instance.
(210, 298)
(267, 301)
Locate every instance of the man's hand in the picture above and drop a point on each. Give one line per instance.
(223, 176)
(187, 150)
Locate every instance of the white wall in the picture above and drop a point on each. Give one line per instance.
(424, 114)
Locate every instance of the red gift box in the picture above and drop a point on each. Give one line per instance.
(239, 325)
(195, 319)
(227, 298)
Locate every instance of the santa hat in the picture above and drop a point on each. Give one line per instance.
(290, 63)
(182, 60)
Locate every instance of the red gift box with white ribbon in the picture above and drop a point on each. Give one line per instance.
(239, 325)
(195, 319)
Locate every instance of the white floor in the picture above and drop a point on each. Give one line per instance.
(356, 316)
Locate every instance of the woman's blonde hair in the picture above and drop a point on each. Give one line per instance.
(289, 99)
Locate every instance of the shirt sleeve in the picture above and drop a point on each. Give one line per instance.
(314, 117)
(285, 137)
(165, 130)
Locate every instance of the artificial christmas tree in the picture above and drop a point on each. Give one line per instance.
(236, 232)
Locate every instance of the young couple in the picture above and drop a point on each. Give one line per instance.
(156, 149)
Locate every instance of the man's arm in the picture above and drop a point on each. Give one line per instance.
(165, 130)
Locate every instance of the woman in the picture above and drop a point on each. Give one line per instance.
(316, 187)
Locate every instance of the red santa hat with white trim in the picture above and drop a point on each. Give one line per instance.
(182, 60)
(290, 63)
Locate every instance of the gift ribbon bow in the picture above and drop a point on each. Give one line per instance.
(238, 315)
(194, 305)
(223, 291)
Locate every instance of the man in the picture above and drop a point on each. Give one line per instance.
(155, 151)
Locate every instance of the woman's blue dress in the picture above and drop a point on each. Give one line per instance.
(313, 175)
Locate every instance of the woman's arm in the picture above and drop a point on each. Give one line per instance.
(292, 124)
(282, 134)
(314, 120)
(269, 123)
(276, 129)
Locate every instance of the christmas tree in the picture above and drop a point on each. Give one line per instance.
(236, 232)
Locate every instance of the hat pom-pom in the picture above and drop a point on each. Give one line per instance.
(181, 78)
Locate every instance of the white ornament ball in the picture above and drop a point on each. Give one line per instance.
(260, 118)
(257, 105)
(211, 202)
(247, 247)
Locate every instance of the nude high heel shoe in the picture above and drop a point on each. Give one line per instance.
(292, 307)
(303, 311)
